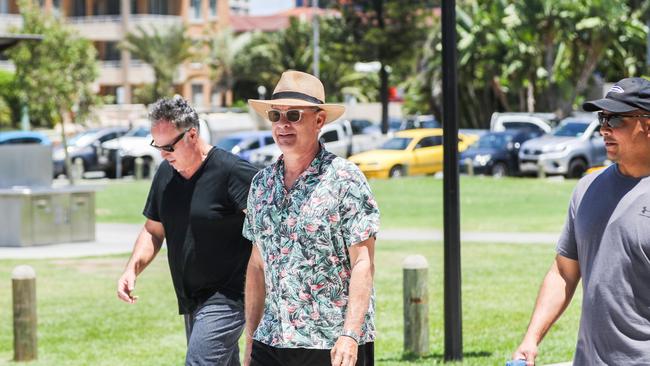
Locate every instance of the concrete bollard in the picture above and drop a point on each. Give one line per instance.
(541, 173)
(23, 280)
(78, 168)
(138, 168)
(416, 305)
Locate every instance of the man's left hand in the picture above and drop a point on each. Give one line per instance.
(344, 352)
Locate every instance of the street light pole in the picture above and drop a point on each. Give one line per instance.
(451, 201)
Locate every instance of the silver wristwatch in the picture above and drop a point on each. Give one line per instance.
(350, 333)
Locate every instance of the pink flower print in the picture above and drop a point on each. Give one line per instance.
(340, 303)
(291, 308)
(314, 316)
(304, 296)
(287, 336)
(316, 287)
(293, 236)
(342, 173)
(291, 221)
(334, 217)
(311, 228)
(258, 207)
(334, 259)
(283, 273)
(344, 274)
(298, 323)
(316, 201)
(258, 193)
(284, 251)
(372, 202)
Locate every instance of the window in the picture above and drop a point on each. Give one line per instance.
(254, 145)
(112, 52)
(79, 8)
(197, 95)
(22, 140)
(330, 136)
(195, 9)
(4, 6)
(429, 141)
(213, 8)
(269, 140)
(159, 7)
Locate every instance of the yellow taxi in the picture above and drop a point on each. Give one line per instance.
(410, 152)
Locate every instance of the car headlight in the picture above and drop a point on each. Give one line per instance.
(554, 148)
(482, 159)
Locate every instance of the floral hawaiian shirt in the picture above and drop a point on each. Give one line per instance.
(303, 235)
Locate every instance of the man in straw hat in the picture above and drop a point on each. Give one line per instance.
(606, 243)
(313, 220)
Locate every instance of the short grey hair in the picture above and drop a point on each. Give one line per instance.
(176, 111)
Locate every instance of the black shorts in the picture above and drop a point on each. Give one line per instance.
(264, 355)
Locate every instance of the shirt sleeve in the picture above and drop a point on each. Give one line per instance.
(248, 231)
(567, 245)
(151, 209)
(358, 209)
(239, 181)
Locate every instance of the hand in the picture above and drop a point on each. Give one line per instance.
(248, 351)
(125, 287)
(344, 352)
(526, 351)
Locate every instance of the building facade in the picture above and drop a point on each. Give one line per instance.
(106, 22)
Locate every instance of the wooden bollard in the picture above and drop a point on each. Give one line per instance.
(23, 280)
(416, 305)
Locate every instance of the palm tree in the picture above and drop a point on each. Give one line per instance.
(222, 51)
(164, 52)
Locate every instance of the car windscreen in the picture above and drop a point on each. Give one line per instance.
(493, 141)
(396, 143)
(83, 138)
(138, 132)
(571, 129)
(227, 143)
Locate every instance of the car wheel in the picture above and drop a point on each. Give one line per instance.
(396, 172)
(499, 170)
(146, 167)
(577, 167)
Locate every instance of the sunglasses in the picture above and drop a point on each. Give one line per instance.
(292, 115)
(170, 147)
(616, 120)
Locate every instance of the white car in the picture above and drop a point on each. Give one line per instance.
(136, 144)
(336, 136)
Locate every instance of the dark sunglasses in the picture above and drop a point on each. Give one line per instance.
(292, 115)
(170, 147)
(616, 120)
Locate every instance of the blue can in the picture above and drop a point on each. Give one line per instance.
(516, 363)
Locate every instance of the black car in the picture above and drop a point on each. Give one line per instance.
(496, 153)
(86, 146)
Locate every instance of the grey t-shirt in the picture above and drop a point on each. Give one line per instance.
(608, 232)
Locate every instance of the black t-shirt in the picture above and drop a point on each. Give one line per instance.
(202, 217)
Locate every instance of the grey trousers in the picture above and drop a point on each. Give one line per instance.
(213, 331)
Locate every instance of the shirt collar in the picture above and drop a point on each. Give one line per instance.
(314, 168)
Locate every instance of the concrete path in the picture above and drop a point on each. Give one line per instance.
(119, 238)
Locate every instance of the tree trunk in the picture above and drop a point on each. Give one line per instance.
(498, 91)
(593, 56)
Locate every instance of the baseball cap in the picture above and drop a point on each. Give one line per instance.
(625, 96)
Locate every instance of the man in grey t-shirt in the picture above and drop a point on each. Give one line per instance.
(606, 242)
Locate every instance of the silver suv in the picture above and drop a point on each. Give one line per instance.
(573, 147)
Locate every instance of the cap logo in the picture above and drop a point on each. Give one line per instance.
(616, 89)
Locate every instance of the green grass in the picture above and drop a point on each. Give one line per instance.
(81, 322)
(510, 205)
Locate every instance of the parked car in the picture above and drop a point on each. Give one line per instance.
(86, 146)
(424, 121)
(243, 143)
(542, 122)
(336, 136)
(23, 137)
(574, 146)
(410, 152)
(496, 153)
(136, 144)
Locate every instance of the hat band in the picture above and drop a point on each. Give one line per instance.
(296, 95)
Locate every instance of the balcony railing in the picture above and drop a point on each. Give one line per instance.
(7, 21)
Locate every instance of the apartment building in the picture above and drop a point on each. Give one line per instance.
(106, 22)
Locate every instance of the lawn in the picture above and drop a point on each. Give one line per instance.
(82, 323)
(511, 204)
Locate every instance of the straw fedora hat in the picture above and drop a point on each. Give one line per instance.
(298, 89)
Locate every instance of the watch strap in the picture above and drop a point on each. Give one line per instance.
(352, 334)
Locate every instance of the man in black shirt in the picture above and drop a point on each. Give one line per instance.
(196, 203)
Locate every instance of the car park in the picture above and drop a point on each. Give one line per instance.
(23, 137)
(410, 152)
(86, 146)
(496, 153)
(243, 143)
(574, 146)
(336, 136)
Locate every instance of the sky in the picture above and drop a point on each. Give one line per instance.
(265, 7)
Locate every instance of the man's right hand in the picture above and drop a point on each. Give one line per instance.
(526, 351)
(125, 287)
(248, 351)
